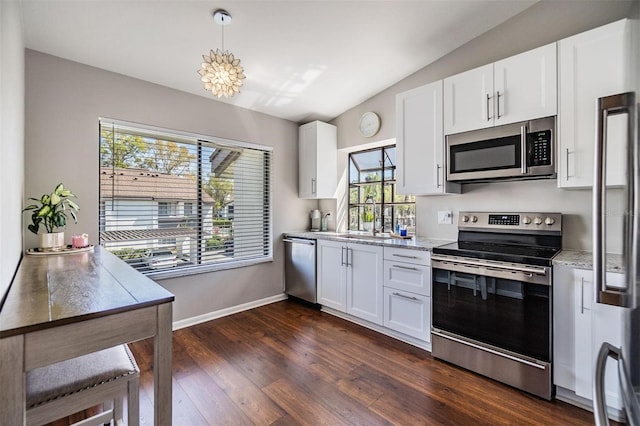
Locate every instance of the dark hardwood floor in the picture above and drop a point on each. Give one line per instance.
(286, 363)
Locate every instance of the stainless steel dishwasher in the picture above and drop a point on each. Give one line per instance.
(300, 268)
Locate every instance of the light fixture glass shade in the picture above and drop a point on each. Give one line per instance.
(221, 73)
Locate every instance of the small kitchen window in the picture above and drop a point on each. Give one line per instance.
(372, 181)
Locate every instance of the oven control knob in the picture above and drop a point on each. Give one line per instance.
(537, 220)
(549, 221)
(526, 220)
(474, 219)
(465, 219)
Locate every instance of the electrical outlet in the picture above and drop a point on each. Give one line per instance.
(445, 217)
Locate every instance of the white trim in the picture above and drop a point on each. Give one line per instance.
(188, 322)
(205, 268)
(570, 397)
(421, 344)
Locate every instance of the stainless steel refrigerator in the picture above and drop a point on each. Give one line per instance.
(628, 354)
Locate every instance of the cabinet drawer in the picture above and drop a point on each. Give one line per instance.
(408, 277)
(421, 257)
(408, 313)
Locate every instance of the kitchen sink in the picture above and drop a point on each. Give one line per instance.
(378, 237)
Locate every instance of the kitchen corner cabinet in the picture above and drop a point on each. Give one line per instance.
(591, 65)
(420, 142)
(350, 279)
(580, 328)
(407, 292)
(518, 88)
(317, 160)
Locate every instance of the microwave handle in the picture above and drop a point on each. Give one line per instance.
(523, 149)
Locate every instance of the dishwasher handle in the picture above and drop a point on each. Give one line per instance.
(299, 241)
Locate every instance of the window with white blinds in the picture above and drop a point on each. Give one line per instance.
(173, 203)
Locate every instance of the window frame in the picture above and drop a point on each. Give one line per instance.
(196, 139)
(379, 205)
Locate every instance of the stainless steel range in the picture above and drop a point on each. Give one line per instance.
(492, 297)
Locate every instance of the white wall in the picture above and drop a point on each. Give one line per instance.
(63, 102)
(11, 140)
(543, 23)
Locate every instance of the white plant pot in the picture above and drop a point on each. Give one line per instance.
(53, 240)
(367, 226)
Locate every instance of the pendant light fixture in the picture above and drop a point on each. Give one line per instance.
(221, 72)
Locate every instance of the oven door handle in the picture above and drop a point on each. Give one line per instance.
(472, 263)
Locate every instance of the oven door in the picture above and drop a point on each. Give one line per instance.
(506, 306)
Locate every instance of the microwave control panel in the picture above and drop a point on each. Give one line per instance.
(539, 148)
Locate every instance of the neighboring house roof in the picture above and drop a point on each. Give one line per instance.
(141, 184)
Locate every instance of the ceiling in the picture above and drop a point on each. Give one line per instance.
(304, 60)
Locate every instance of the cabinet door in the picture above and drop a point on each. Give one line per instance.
(332, 285)
(420, 142)
(525, 86)
(468, 100)
(307, 147)
(595, 323)
(591, 65)
(408, 313)
(564, 315)
(364, 282)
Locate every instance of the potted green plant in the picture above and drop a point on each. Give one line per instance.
(367, 221)
(51, 211)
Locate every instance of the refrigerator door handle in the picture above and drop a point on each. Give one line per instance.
(623, 103)
(599, 401)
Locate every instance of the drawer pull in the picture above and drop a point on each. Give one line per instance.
(405, 267)
(405, 256)
(406, 297)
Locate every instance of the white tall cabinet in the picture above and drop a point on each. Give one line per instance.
(580, 328)
(420, 167)
(591, 65)
(518, 88)
(317, 160)
(350, 278)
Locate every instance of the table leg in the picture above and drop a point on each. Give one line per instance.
(12, 395)
(162, 365)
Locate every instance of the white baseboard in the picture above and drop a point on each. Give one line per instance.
(188, 322)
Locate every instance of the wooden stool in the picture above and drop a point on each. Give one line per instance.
(100, 378)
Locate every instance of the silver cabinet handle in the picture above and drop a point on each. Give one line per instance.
(523, 150)
(313, 186)
(349, 263)
(406, 297)
(342, 256)
(567, 163)
(498, 104)
(613, 105)
(405, 256)
(581, 295)
(599, 399)
(488, 100)
(405, 267)
(438, 167)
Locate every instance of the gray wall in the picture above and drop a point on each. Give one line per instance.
(543, 23)
(63, 102)
(11, 140)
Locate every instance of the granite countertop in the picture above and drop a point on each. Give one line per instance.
(584, 260)
(415, 243)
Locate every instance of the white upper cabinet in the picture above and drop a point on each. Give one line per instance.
(468, 100)
(317, 160)
(522, 87)
(591, 65)
(420, 142)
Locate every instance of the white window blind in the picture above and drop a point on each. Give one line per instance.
(173, 203)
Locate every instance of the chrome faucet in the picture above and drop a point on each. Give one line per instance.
(370, 200)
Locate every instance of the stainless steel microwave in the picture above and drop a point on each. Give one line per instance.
(524, 150)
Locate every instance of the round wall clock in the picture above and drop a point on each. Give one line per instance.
(369, 124)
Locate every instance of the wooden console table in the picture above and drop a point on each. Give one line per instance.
(64, 306)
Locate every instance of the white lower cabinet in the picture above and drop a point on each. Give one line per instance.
(407, 292)
(580, 328)
(350, 278)
(407, 313)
